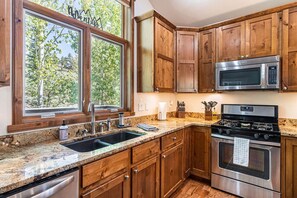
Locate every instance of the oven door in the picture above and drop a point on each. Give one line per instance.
(240, 77)
(264, 163)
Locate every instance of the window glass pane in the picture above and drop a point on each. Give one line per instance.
(52, 66)
(106, 72)
(104, 14)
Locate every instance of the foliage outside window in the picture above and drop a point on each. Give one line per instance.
(52, 66)
(108, 13)
(106, 73)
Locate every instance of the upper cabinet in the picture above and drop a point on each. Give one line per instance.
(206, 61)
(155, 53)
(187, 61)
(230, 42)
(289, 53)
(255, 37)
(5, 42)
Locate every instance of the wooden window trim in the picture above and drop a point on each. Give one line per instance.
(22, 123)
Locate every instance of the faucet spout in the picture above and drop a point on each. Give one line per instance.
(93, 121)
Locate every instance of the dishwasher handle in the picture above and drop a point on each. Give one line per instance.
(56, 188)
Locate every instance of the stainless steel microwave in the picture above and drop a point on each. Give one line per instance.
(249, 74)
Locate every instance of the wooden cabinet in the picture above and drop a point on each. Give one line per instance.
(171, 170)
(155, 53)
(289, 53)
(201, 152)
(262, 37)
(255, 37)
(288, 164)
(146, 179)
(187, 153)
(230, 42)
(206, 68)
(4, 42)
(187, 61)
(118, 187)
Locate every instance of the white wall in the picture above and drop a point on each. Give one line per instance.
(287, 102)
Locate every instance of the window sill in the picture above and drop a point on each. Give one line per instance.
(32, 123)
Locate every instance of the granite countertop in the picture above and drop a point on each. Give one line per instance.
(20, 166)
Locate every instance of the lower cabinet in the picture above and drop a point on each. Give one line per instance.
(171, 170)
(187, 153)
(118, 187)
(145, 179)
(289, 171)
(200, 138)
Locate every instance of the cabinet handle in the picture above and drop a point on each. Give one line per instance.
(285, 88)
(135, 171)
(212, 90)
(156, 89)
(174, 138)
(126, 177)
(164, 156)
(241, 56)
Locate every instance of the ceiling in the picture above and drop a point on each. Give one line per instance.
(205, 12)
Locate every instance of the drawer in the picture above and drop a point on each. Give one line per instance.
(103, 168)
(145, 150)
(172, 139)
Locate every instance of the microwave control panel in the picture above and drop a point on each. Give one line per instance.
(272, 75)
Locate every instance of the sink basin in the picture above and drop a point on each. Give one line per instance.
(101, 142)
(120, 137)
(87, 145)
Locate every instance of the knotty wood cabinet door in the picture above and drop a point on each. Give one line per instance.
(230, 42)
(4, 43)
(146, 179)
(171, 170)
(201, 152)
(118, 187)
(164, 57)
(206, 68)
(288, 165)
(262, 36)
(187, 153)
(187, 61)
(289, 52)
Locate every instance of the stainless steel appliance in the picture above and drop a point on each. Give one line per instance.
(259, 124)
(253, 74)
(59, 186)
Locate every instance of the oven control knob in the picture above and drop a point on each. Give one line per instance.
(266, 136)
(256, 135)
(228, 131)
(220, 131)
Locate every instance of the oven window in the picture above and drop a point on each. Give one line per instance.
(241, 77)
(258, 161)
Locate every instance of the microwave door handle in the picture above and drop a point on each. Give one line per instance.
(263, 76)
(53, 190)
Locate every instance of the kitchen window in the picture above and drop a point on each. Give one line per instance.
(66, 54)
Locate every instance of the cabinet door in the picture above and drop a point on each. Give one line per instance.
(145, 179)
(187, 61)
(187, 152)
(171, 170)
(230, 42)
(5, 42)
(118, 187)
(201, 152)
(289, 172)
(262, 36)
(289, 67)
(206, 66)
(164, 57)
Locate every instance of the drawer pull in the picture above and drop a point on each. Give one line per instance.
(164, 156)
(135, 171)
(126, 177)
(174, 138)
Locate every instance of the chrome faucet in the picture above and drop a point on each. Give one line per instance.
(93, 121)
(107, 123)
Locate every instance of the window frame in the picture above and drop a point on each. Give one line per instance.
(21, 122)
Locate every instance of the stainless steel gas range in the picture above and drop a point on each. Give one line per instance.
(258, 124)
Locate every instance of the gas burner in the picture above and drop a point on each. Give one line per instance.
(262, 126)
(228, 123)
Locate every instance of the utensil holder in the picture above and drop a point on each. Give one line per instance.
(208, 115)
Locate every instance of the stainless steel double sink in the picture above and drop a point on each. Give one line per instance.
(92, 144)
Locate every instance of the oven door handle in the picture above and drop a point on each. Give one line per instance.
(263, 143)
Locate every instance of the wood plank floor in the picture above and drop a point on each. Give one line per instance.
(196, 189)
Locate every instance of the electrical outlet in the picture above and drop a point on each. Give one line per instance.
(141, 107)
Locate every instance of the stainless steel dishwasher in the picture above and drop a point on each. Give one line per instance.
(63, 185)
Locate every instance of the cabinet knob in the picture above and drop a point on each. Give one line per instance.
(241, 56)
(164, 156)
(126, 177)
(285, 88)
(212, 90)
(135, 171)
(156, 89)
(195, 90)
(174, 138)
